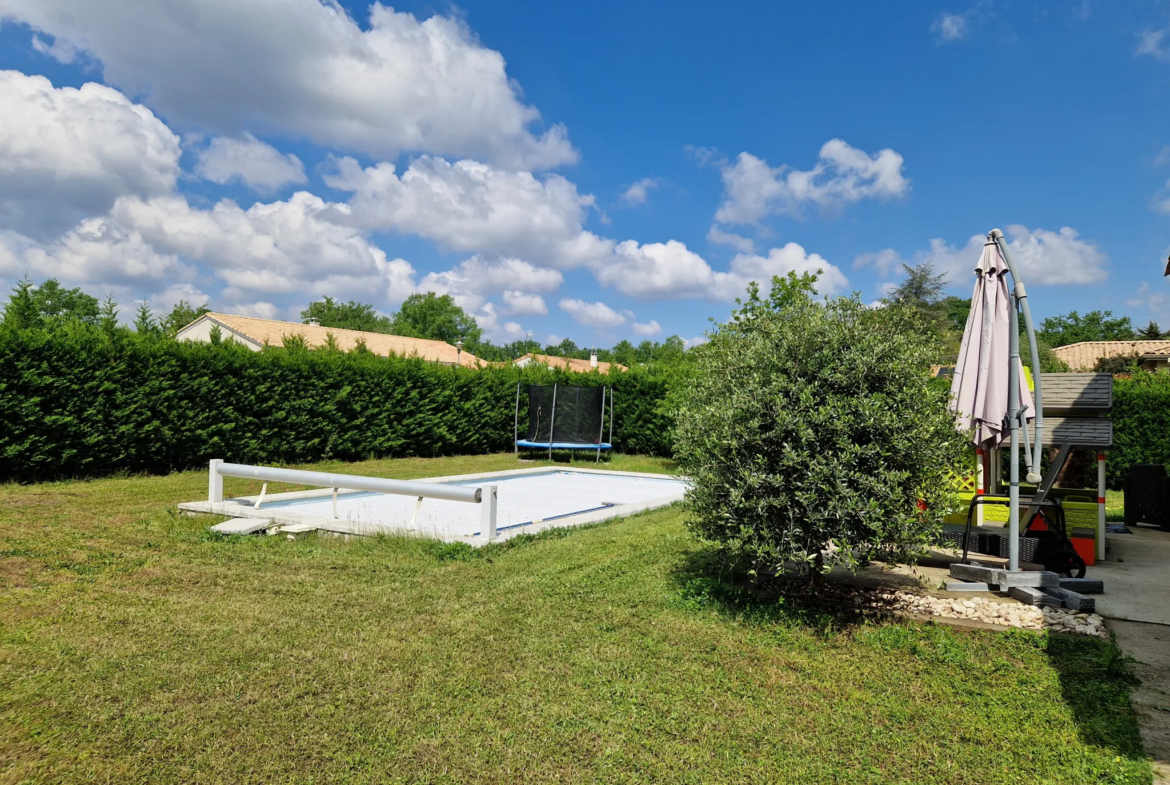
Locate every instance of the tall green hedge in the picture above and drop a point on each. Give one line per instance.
(1141, 424)
(79, 403)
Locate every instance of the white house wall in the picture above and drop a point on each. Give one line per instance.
(200, 331)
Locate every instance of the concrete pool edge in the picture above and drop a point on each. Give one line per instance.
(283, 518)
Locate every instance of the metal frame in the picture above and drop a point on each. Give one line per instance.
(979, 501)
(485, 495)
(1019, 299)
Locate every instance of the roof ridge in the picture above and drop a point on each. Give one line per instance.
(330, 329)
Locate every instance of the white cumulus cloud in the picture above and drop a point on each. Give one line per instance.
(738, 242)
(258, 165)
(473, 207)
(165, 300)
(473, 280)
(70, 152)
(597, 315)
(843, 175)
(639, 191)
(524, 304)
(96, 251)
(666, 270)
(286, 247)
(649, 328)
(488, 320)
(1043, 257)
(884, 261)
(304, 67)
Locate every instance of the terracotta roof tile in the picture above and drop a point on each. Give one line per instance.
(1084, 355)
(272, 332)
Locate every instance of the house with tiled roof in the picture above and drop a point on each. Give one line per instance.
(570, 363)
(258, 333)
(1083, 356)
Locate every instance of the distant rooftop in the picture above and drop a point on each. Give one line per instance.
(260, 332)
(569, 363)
(1083, 356)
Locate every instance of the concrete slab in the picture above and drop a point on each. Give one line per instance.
(1136, 574)
(974, 573)
(1007, 580)
(966, 586)
(1083, 585)
(1072, 600)
(242, 526)
(1030, 595)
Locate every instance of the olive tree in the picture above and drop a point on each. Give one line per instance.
(811, 433)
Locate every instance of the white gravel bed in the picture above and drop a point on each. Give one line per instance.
(1012, 614)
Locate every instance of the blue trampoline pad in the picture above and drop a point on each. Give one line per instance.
(564, 445)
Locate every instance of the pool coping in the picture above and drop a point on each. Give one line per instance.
(282, 518)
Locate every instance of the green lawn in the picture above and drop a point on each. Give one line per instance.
(1115, 506)
(135, 647)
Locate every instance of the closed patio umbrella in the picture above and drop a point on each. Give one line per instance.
(979, 388)
(989, 393)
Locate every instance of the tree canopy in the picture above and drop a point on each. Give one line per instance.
(347, 316)
(922, 291)
(438, 318)
(1093, 326)
(48, 304)
(1151, 332)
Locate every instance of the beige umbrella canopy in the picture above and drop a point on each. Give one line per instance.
(989, 394)
(979, 388)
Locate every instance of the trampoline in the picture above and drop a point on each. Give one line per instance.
(565, 418)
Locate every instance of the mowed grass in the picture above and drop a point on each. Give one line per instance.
(135, 647)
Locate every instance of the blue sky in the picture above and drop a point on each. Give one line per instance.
(599, 171)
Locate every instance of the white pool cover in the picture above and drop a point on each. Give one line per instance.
(528, 501)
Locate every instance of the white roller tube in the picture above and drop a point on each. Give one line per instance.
(431, 490)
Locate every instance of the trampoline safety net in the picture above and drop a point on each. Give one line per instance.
(578, 414)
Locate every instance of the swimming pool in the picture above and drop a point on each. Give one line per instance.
(528, 501)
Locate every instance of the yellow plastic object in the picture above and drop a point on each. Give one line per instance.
(1080, 517)
(1028, 376)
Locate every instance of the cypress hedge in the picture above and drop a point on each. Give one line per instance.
(1141, 424)
(79, 402)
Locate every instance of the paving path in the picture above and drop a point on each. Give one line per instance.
(1136, 605)
(1149, 644)
(1137, 577)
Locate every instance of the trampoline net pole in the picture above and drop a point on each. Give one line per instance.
(516, 423)
(600, 426)
(552, 422)
(611, 423)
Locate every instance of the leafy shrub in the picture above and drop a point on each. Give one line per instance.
(1118, 364)
(1141, 424)
(80, 402)
(807, 423)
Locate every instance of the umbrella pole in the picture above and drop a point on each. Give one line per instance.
(1014, 427)
(1021, 295)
